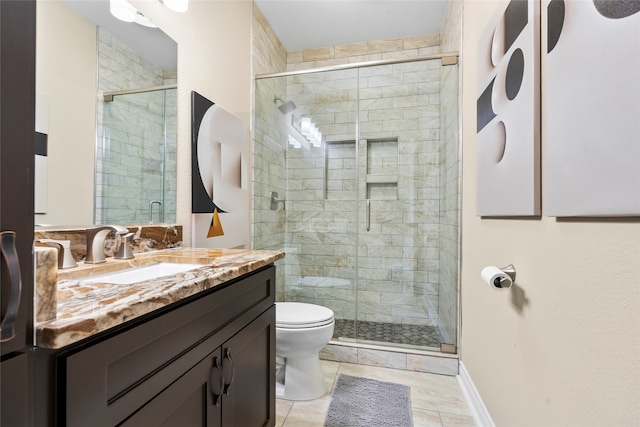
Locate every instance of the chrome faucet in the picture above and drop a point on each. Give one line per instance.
(95, 242)
(65, 259)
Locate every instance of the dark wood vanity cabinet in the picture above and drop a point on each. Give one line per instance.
(207, 362)
(205, 397)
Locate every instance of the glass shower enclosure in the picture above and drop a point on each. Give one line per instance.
(136, 157)
(370, 220)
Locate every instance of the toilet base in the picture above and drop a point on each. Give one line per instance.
(303, 379)
(302, 330)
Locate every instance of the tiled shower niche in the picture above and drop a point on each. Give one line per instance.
(380, 163)
(340, 170)
(382, 169)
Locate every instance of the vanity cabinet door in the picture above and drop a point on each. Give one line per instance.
(249, 368)
(232, 387)
(192, 401)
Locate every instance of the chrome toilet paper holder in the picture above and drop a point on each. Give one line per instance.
(510, 271)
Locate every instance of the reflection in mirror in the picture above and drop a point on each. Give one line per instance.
(136, 144)
(107, 161)
(136, 165)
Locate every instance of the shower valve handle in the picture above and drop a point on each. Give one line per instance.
(275, 200)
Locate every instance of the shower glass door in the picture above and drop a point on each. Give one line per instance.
(401, 196)
(369, 222)
(317, 224)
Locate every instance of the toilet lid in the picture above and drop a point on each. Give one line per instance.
(292, 315)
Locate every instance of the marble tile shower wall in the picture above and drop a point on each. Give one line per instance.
(398, 259)
(400, 48)
(171, 153)
(130, 143)
(268, 173)
(269, 56)
(268, 149)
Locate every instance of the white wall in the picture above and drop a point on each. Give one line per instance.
(571, 355)
(214, 59)
(66, 61)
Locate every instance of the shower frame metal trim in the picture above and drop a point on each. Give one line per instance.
(108, 96)
(361, 65)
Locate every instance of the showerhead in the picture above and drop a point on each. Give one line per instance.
(286, 107)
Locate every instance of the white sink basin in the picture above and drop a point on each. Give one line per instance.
(139, 274)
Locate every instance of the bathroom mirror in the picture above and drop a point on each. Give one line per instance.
(104, 161)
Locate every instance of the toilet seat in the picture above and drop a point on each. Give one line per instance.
(298, 315)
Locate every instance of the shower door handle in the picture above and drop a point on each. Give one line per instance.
(368, 215)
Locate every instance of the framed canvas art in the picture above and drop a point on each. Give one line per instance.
(219, 180)
(591, 107)
(508, 113)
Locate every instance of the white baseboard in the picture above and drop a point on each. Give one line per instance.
(474, 400)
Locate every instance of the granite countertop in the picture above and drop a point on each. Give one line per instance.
(84, 309)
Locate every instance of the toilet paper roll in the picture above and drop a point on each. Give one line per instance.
(496, 278)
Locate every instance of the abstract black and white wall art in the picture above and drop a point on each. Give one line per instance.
(591, 107)
(220, 199)
(508, 113)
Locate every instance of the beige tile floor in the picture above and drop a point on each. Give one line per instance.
(436, 400)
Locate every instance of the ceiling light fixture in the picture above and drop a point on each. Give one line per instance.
(177, 5)
(143, 20)
(122, 10)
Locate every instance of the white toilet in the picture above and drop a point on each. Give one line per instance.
(302, 330)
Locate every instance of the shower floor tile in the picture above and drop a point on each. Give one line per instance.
(394, 333)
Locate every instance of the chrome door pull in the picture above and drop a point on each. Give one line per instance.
(368, 215)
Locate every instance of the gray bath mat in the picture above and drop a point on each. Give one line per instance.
(363, 402)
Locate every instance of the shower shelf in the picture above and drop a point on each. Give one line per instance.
(382, 169)
(382, 179)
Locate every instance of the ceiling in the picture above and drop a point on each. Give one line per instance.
(307, 24)
(151, 43)
(299, 24)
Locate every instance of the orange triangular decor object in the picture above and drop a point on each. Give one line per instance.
(215, 229)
